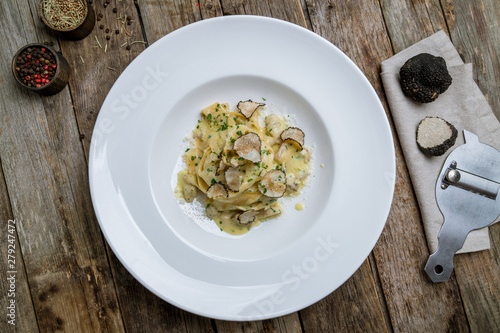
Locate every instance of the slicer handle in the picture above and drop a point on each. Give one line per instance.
(440, 264)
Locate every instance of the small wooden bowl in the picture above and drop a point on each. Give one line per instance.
(61, 76)
(75, 33)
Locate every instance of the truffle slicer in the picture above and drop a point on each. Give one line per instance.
(467, 193)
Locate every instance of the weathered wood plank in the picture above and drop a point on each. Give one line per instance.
(358, 29)
(354, 307)
(291, 11)
(46, 177)
(161, 17)
(477, 274)
(145, 312)
(97, 62)
(407, 21)
(475, 31)
(19, 317)
(285, 324)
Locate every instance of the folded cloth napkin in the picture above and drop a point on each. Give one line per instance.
(463, 105)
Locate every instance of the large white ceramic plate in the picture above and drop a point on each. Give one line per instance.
(285, 264)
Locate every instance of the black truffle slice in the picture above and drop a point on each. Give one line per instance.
(222, 165)
(273, 184)
(247, 217)
(247, 108)
(293, 134)
(248, 147)
(217, 190)
(435, 136)
(233, 178)
(424, 77)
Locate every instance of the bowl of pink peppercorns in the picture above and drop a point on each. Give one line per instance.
(41, 69)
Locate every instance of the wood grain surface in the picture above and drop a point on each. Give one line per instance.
(477, 273)
(20, 293)
(46, 176)
(69, 280)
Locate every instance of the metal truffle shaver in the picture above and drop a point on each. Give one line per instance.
(467, 193)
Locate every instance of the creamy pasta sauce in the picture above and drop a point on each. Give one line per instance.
(212, 153)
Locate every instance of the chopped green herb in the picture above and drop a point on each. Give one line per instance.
(209, 117)
(240, 158)
(223, 127)
(263, 99)
(187, 150)
(192, 158)
(208, 205)
(239, 132)
(250, 180)
(232, 140)
(213, 181)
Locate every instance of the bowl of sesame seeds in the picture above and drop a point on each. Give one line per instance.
(41, 69)
(70, 19)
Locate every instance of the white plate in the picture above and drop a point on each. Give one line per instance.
(285, 264)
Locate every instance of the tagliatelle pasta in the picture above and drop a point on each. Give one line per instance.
(243, 165)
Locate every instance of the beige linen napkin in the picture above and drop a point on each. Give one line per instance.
(462, 104)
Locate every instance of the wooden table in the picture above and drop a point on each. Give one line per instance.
(67, 277)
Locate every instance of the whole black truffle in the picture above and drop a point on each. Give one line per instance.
(424, 77)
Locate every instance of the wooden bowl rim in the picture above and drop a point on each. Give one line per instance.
(16, 76)
(42, 16)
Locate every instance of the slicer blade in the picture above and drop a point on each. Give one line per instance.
(468, 195)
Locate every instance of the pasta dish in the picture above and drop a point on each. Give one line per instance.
(243, 164)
